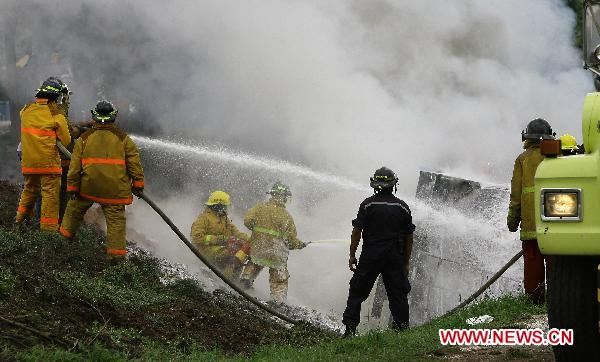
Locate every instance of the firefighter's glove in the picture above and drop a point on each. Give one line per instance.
(75, 132)
(352, 263)
(512, 225)
(73, 195)
(513, 219)
(296, 245)
(242, 253)
(137, 191)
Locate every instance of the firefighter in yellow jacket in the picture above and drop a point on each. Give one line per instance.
(218, 239)
(105, 168)
(521, 207)
(273, 235)
(42, 124)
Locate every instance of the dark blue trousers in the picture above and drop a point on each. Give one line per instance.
(390, 264)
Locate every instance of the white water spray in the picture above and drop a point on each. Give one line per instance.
(456, 252)
(360, 88)
(247, 160)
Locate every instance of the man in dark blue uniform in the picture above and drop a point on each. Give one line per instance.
(385, 224)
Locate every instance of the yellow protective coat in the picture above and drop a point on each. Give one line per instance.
(521, 207)
(273, 234)
(210, 233)
(104, 166)
(42, 123)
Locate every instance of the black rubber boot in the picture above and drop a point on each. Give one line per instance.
(19, 226)
(398, 327)
(349, 332)
(116, 260)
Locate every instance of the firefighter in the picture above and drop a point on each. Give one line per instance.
(105, 168)
(76, 131)
(42, 124)
(218, 239)
(63, 107)
(521, 207)
(385, 224)
(273, 235)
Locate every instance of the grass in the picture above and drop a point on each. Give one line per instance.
(418, 343)
(69, 291)
(104, 312)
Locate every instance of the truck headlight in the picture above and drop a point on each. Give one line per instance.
(561, 204)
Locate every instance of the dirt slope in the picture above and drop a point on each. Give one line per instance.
(56, 292)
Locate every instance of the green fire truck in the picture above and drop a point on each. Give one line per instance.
(568, 228)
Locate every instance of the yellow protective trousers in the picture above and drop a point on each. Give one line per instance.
(231, 268)
(49, 187)
(115, 224)
(229, 265)
(278, 279)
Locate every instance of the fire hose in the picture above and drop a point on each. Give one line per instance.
(199, 255)
(473, 296)
(486, 284)
(255, 301)
(214, 269)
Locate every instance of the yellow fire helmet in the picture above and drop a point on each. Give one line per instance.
(568, 142)
(218, 197)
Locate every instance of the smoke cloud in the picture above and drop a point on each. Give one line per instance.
(339, 86)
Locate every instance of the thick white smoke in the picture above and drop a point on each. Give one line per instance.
(344, 86)
(349, 86)
(339, 86)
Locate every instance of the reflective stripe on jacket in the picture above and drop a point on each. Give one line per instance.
(273, 233)
(105, 165)
(267, 231)
(521, 207)
(41, 125)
